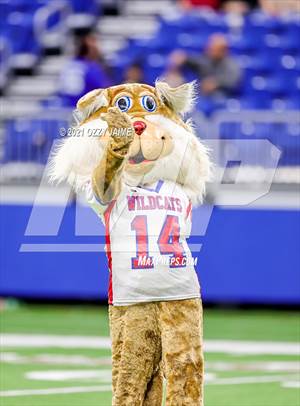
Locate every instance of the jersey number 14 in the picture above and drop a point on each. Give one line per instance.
(168, 243)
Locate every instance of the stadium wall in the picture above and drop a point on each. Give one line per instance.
(247, 256)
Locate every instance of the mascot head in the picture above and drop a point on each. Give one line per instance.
(164, 145)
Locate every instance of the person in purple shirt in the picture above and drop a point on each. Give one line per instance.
(83, 73)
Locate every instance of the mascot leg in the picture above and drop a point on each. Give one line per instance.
(136, 353)
(181, 327)
(154, 393)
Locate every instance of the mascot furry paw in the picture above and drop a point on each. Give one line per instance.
(142, 175)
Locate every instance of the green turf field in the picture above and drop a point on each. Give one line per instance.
(59, 356)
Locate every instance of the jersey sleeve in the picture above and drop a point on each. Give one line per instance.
(95, 203)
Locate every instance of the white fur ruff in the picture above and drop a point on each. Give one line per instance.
(75, 158)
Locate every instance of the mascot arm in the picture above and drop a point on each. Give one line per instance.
(106, 178)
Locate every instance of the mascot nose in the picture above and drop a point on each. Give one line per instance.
(139, 127)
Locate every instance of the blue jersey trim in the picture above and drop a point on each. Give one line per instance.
(157, 188)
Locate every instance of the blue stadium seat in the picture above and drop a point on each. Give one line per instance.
(285, 137)
(264, 23)
(27, 6)
(274, 86)
(214, 22)
(84, 6)
(292, 28)
(292, 80)
(202, 24)
(277, 86)
(251, 30)
(19, 31)
(243, 45)
(289, 63)
(157, 45)
(208, 105)
(30, 140)
(5, 10)
(154, 66)
(290, 44)
(286, 104)
(261, 65)
(281, 44)
(249, 103)
(190, 42)
(254, 87)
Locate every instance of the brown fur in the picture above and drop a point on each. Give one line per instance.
(156, 339)
(150, 339)
(145, 336)
(107, 175)
(135, 91)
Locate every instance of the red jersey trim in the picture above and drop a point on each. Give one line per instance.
(107, 214)
(188, 210)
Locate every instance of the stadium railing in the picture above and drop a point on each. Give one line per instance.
(29, 138)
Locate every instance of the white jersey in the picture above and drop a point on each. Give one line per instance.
(148, 256)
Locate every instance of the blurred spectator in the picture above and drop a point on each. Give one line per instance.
(235, 11)
(218, 73)
(173, 76)
(237, 7)
(188, 4)
(83, 73)
(277, 7)
(134, 74)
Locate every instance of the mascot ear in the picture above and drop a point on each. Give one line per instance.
(91, 102)
(180, 99)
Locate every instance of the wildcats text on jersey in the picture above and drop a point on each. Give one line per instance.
(154, 203)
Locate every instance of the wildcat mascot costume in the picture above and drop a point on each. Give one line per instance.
(142, 169)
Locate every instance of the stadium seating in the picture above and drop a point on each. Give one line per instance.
(18, 30)
(18, 20)
(83, 6)
(285, 136)
(267, 48)
(30, 140)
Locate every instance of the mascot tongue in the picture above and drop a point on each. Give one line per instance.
(138, 158)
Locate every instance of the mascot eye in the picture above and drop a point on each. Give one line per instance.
(123, 103)
(148, 103)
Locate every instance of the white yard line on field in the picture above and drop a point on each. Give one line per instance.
(264, 366)
(291, 384)
(55, 391)
(251, 379)
(54, 359)
(287, 381)
(105, 377)
(252, 347)
(80, 360)
(216, 346)
(42, 341)
(102, 376)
